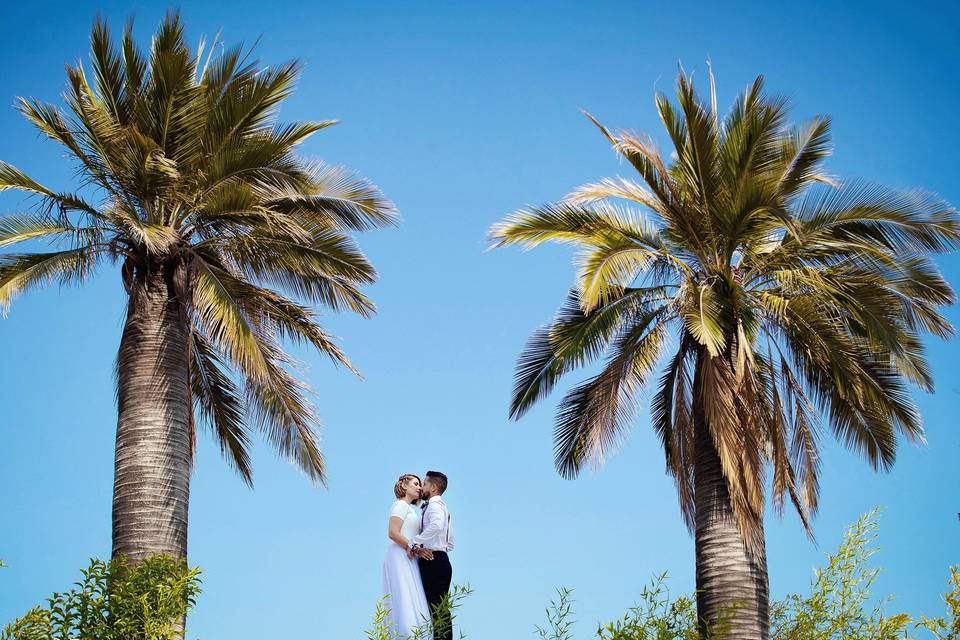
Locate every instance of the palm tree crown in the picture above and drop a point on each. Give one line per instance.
(791, 301)
(186, 175)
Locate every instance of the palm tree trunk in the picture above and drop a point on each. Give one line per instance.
(732, 585)
(154, 454)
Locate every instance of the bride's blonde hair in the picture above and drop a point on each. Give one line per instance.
(400, 489)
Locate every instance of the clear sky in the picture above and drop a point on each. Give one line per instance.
(462, 113)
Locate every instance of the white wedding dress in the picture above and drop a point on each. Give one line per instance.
(401, 577)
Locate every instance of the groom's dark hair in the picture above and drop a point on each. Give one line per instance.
(438, 480)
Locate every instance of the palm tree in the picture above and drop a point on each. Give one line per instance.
(760, 300)
(187, 180)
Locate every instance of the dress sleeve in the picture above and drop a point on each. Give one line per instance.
(399, 509)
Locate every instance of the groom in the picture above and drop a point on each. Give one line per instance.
(431, 547)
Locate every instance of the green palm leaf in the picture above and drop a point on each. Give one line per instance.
(593, 417)
(22, 271)
(221, 406)
(573, 339)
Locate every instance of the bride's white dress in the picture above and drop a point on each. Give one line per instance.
(401, 577)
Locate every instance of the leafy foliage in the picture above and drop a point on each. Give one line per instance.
(840, 606)
(947, 627)
(383, 629)
(656, 616)
(115, 601)
(559, 613)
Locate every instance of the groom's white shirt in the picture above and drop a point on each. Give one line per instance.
(437, 533)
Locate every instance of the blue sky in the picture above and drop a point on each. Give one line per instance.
(462, 113)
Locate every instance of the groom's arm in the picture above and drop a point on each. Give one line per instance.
(432, 523)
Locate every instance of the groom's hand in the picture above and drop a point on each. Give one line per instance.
(424, 553)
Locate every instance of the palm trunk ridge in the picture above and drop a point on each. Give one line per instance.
(154, 430)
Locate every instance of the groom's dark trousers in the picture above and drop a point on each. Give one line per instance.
(436, 575)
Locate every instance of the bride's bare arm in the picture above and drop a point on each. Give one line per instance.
(394, 531)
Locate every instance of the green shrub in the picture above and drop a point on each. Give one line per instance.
(840, 595)
(947, 627)
(116, 601)
(840, 606)
(382, 629)
(656, 616)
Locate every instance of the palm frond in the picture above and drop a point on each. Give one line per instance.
(899, 221)
(13, 178)
(573, 339)
(340, 199)
(671, 412)
(108, 71)
(326, 270)
(703, 318)
(279, 404)
(618, 187)
(134, 71)
(644, 157)
(805, 150)
(221, 315)
(865, 401)
(221, 406)
(594, 417)
(567, 222)
(21, 271)
(16, 228)
(697, 156)
(805, 437)
(607, 268)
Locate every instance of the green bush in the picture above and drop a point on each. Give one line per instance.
(947, 627)
(116, 601)
(382, 629)
(840, 606)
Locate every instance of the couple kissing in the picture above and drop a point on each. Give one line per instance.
(416, 570)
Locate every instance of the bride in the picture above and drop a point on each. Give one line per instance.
(401, 574)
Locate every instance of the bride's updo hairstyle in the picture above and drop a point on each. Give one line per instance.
(400, 489)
